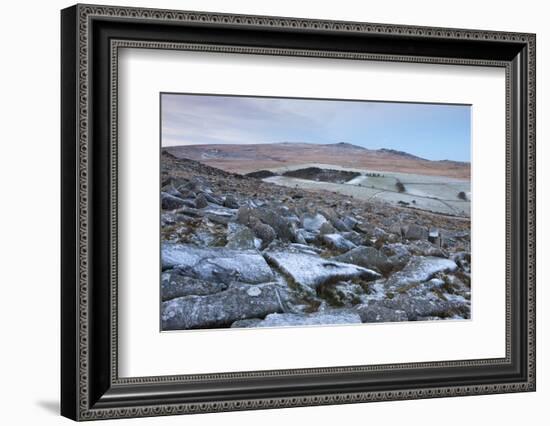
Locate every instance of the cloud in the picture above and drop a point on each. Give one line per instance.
(428, 130)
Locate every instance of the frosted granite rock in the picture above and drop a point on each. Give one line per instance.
(240, 237)
(416, 307)
(419, 269)
(340, 316)
(425, 248)
(171, 202)
(174, 284)
(415, 232)
(216, 263)
(310, 270)
(313, 223)
(377, 312)
(238, 302)
(367, 257)
(337, 242)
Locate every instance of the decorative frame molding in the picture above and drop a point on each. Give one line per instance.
(91, 388)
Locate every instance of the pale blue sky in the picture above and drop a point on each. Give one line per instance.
(432, 131)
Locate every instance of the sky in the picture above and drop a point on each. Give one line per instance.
(432, 131)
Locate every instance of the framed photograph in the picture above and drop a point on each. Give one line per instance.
(263, 212)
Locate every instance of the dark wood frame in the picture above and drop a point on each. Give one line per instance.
(90, 386)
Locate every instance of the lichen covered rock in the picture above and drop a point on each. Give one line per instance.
(239, 301)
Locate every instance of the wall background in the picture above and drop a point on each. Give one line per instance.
(29, 215)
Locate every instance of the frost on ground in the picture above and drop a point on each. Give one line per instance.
(312, 271)
(240, 252)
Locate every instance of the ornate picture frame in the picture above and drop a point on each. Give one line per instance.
(91, 37)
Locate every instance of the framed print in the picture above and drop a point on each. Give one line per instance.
(263, 212)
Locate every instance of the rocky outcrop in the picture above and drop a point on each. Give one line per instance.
(417, 308)
(239, 301)
(313, 223)
(420, 269)
(174, 284)
(231, 202)
(415, 232)
(463, 259)
(341, 294)
(425, 248)
(312, 271)
(261, 174)
(367, 257)
(201, 202)
(322, 175)
(216, 264)
(239, 252)
(327, 228)
(377, 312)
(240, 237)
(337, 242)
(171, 202)
(289, 319)
(284, 227)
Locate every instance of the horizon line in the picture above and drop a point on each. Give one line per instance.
(397, 151)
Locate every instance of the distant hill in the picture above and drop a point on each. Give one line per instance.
(241, 158)
(399, 153)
